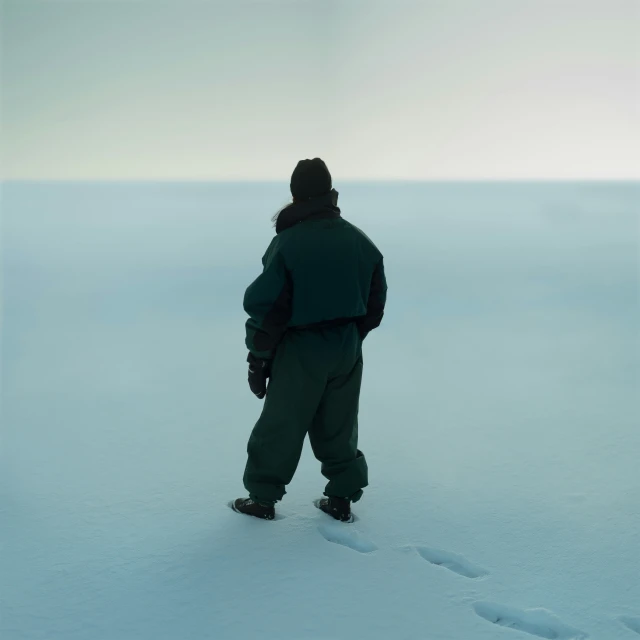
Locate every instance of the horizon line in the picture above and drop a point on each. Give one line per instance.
(364, 181)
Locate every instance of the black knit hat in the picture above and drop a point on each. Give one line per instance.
(310, 179)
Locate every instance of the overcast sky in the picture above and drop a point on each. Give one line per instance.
(453, 89)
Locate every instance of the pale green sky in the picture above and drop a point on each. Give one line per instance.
(449, 89)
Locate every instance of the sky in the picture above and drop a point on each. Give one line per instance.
(395, 90)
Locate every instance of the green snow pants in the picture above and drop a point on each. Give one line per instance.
(315, 389)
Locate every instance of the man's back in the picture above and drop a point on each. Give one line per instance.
(331, 266)
(318, 269)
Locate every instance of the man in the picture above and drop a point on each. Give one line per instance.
(322, 290)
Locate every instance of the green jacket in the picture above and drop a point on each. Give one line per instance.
(319, 270)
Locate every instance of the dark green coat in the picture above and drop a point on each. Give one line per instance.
(318, 269)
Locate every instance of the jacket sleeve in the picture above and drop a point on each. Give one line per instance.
(376, 302)
(268, 302)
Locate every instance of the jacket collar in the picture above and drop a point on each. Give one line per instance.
(323, 206)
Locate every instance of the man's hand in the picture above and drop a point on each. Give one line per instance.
(259, 372)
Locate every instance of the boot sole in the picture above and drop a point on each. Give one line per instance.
(351, 519)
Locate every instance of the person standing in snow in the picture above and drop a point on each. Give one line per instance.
(321, 292)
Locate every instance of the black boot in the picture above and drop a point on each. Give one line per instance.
(251, 508)
(338, 508)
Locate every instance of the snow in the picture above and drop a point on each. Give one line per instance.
(499, 416)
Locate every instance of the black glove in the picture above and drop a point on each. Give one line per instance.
(259, 372)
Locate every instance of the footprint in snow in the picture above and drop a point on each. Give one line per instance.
(452, 561)
(537, 622)
(631, 622)
(346, 535)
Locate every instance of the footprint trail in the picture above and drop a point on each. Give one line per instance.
(452, 561)
(537, 622)
(347, 536)
(631, 622)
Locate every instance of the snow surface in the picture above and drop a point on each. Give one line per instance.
(499, 416)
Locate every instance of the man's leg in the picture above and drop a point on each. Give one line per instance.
(275, 445)
(334, 436)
